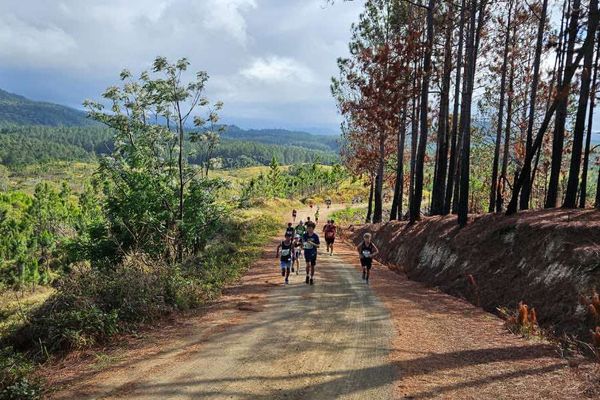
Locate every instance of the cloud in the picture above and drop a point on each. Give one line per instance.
(275, 69)
(269, 60)
(227, 16)
(27, 42)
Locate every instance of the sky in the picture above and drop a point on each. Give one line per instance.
(269, 61)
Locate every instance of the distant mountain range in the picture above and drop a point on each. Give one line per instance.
(18, 110)
(48, 131)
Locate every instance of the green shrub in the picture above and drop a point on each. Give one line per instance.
(14, 370)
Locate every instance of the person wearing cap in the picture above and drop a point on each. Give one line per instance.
(284, 253)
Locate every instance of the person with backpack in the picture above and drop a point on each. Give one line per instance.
(310, 243)
(284, 253)
(366, 251)
(330, 230)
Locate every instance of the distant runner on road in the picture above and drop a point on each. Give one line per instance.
(284, 253)
(317, 216)
(300, 229)
(310, 242)
(297, 253)
(329, 230)
(366, 251)
(294, 214)
(290, 230)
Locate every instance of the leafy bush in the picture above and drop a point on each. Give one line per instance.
(92, 304)
(349, 216)
(14, 384)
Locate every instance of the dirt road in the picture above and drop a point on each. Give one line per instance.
(337, 339)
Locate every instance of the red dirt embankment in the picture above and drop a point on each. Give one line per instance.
(543, 258)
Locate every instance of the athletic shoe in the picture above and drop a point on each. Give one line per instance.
(311, 281)
(286, 281)
(307, 278)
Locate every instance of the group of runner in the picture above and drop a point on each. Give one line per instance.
(302, 239)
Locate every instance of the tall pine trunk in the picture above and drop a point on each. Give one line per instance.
(578, 131)
(504, 70)
(378, 201)
(586, 157)
(561, 111)
(396, 211)
(415, 207)
(454, 146)
(439, 184)
(370, 206)
(568, 77)
(526, 194)
(475, 26)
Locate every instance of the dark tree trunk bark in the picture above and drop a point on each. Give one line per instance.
(378, 208)
(526, 194)
(396, 212)
(586, 158)
(415, 207)
(589, 41)
(414, 128)
(509, 111)
(476, 24)
(370, 206)
(439, 184)
(561, 111)
(452, 163)
(584, 94)
(504, 69)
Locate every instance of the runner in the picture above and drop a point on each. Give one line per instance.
(294, 213)
(317, 216)
(328, 202)
(297, 253)
(290, 230)
(310, 242)
(284, 253)
(367, 250)
(330, 230)
(300, 229)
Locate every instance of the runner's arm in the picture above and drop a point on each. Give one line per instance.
(278, 247)
(360, 254)
(375, 252)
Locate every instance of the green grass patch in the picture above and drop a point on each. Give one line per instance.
(349, 216)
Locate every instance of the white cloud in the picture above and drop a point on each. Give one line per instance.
(274, 69)
(267, 59)
(26, 42)
(227, 16)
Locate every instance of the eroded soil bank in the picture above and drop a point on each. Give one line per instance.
(546, 259)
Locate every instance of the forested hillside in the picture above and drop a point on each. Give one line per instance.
(21, 145)
(18, 110)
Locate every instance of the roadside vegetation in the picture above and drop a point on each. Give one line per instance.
(89, 250)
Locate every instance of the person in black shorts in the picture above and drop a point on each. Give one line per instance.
(284, 253)
(294, 214)
(329, 231)
(366, 251)
(310, 243)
